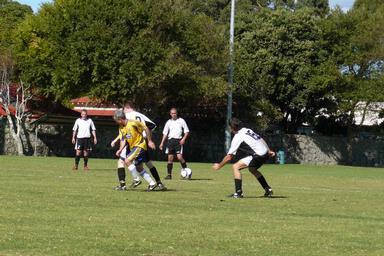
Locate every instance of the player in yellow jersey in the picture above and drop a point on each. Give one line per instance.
(131, 135)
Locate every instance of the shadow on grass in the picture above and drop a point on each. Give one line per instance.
(145, 191)
(194, 179)
(269, 197)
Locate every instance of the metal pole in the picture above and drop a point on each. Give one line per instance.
(230, 76)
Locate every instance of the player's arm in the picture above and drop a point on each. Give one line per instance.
(186, 133)
(143, 127)
(122, 145)
(235, 144)
(94, 137)
(113, 143)
(75, 128)
(223, 162)
(151, 144)
(270, 152)
(165, 135)
(182, 141)
(93, 128)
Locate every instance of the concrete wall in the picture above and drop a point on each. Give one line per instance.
(55, 140)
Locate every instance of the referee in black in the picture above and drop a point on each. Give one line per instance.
(81, 137)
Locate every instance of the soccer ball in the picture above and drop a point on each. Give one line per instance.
(186, 173)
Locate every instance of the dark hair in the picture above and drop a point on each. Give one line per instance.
(84, 110)
(129, 104)
(236, 124)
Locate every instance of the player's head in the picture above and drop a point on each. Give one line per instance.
(129, 106)
(84, 114)
(119, 117)
(173, 113)
(236, 125)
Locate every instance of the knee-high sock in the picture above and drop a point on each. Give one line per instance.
(134, 173)
(85, 160)
(155, 174)
(121, 176)
(147, 177)
(77, 160)
(169, 168)
(263, 182)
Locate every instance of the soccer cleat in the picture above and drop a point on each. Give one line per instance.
(268, 192)
(152, 187)
(120, 188)
(161, 187)
(86, 168)
(74, 168)
(236, 195)
(135, 183)
(168, 177)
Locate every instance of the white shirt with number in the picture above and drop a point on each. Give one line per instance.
(84, 127)
(134, 115)
(140, 117)
(175, 128)
(248, 142)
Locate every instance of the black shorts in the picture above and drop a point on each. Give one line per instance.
(258, 161)
(83, 144)
(174, 147)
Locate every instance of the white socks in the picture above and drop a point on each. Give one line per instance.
(147, 177)
(134, 173)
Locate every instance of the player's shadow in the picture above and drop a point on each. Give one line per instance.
(267, 197)
(144, 190)
(194, 179)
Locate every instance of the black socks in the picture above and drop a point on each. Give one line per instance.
(238, 186)
(169, 168)
(121, 175)
(155, 174)
(77, 160)
(85, 160)
(263, 182)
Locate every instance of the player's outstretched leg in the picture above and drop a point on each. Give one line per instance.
(260, 178)
(155, 175)
(136, 181)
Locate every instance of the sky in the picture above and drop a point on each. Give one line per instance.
(344, 4)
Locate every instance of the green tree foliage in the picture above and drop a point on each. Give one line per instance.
(278, 52)
(11, 14)
(355, 40)
(154, 52)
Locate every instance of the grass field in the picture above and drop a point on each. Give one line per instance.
(46, 209)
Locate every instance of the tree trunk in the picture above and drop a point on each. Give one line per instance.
(16, 136)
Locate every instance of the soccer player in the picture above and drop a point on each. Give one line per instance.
(252, 151)
(130, 113)
(82, 138)
(131, 135)
(176, 132)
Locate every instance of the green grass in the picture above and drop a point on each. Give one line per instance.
(46, 209)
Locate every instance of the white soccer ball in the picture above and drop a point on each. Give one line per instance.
(186, 173)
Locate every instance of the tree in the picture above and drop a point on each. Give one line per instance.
(278, 53)
(154, 52)
(11, 14)
(13, 99)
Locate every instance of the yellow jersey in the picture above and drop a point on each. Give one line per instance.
(132, 133)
